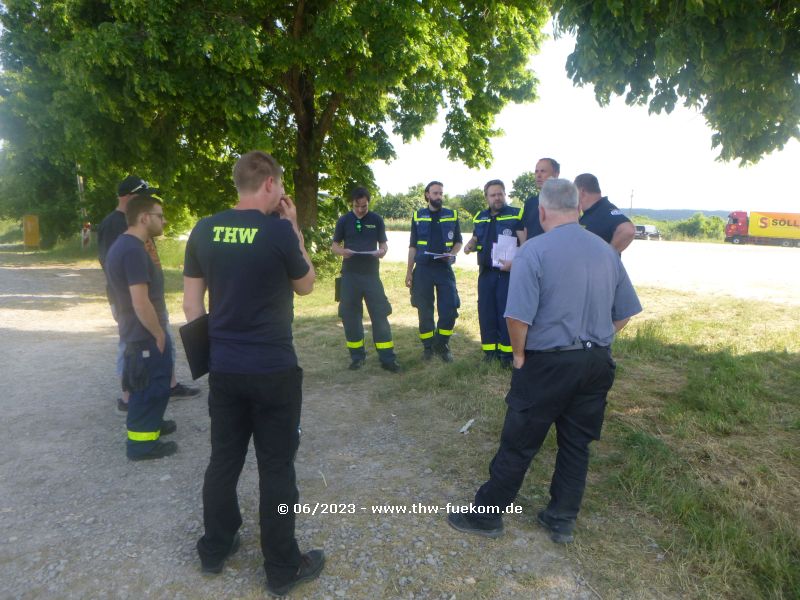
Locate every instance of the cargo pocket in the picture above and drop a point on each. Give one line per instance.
(134, 371)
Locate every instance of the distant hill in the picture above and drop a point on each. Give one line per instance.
(678, 214)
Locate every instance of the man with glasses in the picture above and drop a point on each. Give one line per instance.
(137, 287)
(111, 227)
(360, 239)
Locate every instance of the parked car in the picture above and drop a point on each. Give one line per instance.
(647, 232)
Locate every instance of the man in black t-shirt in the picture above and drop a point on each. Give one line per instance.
(360, 239)
(138, 290)
(252, 261)
(112, 226)
(600, 216)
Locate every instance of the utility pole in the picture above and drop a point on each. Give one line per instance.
(630, 212)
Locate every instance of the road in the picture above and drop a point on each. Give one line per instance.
(750, 272)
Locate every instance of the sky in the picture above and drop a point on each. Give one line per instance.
(663, 161)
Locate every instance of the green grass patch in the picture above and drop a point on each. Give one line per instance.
(693, 490)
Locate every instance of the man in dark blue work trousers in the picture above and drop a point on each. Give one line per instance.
(360, 239)
(137, 287)
(568, 297)
(497, 220)
(435, 241)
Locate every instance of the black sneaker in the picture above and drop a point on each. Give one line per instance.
(160, 450)
(183, 391)
(311, 565)
(556, 535)
(427, 353)
(356, 364)
(392, 367)
(216, 568)
(122, 406)
(462, 522)
(168, 426)
(444, 353)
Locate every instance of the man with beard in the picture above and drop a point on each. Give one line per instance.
(137, 286)
(435, 241)
(497, 220)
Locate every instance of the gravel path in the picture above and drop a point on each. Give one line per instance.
(77, 520)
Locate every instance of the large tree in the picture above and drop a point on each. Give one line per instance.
(314, 82)
(738, 61)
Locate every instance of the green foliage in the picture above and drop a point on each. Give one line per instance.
(400, 206)
(175, 91)
(524, 186)
(472, 202)
(736, 60)
(701, 226)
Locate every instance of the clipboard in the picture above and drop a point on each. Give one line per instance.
(194, 336)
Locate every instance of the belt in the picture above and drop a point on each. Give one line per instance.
(581, 345)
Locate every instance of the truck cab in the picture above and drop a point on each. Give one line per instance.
(736, 227)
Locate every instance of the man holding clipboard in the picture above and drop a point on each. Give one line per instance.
(252, 261)
(360, 239)
(497, 231)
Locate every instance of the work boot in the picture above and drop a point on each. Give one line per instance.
(559, 534)
(311, 565)
(392, 367)
(210, 568)
(356, 364)
(183, 391)
(160, 450)
(427, 353)
(168, 426)
(463, 522)
(444, 353)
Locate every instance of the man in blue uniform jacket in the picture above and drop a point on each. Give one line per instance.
(435, 241)
(497, 220)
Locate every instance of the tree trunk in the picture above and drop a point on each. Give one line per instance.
(306, 187)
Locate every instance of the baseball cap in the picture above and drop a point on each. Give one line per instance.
(133, 184)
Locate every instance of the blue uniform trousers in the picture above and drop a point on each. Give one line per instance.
(146, 373)
(567, 389)
(357, 289)
(492, 296)
(426, 279)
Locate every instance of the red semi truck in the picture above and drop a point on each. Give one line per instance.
(774, 229)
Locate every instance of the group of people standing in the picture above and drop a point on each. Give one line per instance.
(360, 239)
(549, 309)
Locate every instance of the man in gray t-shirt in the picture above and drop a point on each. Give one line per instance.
(569, 294)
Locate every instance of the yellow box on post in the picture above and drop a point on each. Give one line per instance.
(30, 231)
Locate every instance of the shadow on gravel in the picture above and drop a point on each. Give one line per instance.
(50, 289)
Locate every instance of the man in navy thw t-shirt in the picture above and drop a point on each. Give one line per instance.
(252, 261)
